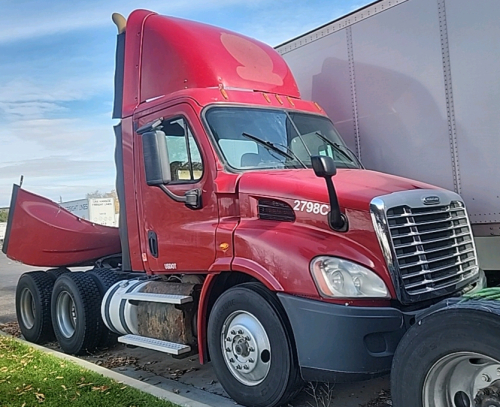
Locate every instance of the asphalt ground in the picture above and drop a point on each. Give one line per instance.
(187, 377)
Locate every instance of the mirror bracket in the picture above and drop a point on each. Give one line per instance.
(324, 167)
(191, 198)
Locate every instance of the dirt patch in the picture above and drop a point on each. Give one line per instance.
(383, 400)
(11, 328)
(112, 362)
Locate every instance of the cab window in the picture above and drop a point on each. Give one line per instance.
(183, 152)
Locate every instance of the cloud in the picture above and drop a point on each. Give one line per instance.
(55, 166)
(27, 19)
(71, 87)
(54, 176)
(56, 80)
(32, 108)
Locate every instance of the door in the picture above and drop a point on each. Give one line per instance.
(174, 237)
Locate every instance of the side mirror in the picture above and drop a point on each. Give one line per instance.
(324, 167)
(157, 166)
(156, 162)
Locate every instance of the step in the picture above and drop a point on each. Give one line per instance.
(165, 298)
(155, 344)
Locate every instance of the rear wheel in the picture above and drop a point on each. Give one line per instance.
(251, 347)
(105, 278)
(450, 358)
(33, 296)
(55, 273)
(76, 313)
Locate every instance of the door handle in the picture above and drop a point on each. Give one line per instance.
(153, 243)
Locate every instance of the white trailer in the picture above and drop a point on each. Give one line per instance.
(3, 228)
(413, 87)
(97, 210)
(102, 211)
(79, 207)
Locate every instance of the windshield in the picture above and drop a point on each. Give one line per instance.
(251, 138)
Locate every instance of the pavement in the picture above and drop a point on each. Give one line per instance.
(10, 271)
(183, 381)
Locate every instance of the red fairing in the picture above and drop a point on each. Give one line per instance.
(41, 233)
(165, 54)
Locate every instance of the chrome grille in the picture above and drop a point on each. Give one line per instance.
(429, 249)
(433, 246)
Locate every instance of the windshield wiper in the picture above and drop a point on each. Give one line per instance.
(273, 147)
(339, 148)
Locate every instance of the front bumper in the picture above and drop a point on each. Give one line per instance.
(337, 343)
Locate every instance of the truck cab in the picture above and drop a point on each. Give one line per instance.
(249, 232)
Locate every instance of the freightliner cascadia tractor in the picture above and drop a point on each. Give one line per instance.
(249, 233)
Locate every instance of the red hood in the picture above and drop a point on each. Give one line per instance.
(355, 188)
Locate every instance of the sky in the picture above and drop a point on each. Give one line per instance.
(56, 80)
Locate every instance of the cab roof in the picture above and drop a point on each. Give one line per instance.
(165, 54)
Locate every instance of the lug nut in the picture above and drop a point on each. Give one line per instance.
(246, 367)
(228, 349)
(486, 378)
(233, 332)
(251, 360)
(251, 349)
(247, 338)
(240, 332)
(228, 339)
(231, 360)
(238, 367)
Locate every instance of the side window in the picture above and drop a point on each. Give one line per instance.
(183, 152)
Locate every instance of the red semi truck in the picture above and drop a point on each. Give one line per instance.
(249, 233)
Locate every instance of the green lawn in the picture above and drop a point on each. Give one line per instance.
(29, 377)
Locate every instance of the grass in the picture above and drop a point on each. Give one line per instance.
(29, 377)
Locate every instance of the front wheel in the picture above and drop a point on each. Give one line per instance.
(451, 358)
(251, 347)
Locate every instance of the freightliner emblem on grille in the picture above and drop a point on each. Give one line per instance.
(431, 200)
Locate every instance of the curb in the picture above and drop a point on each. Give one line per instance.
(137, 384)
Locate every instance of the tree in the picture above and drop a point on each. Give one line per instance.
(95, 194)
(4, 215)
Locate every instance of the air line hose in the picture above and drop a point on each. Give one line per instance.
(492, 293)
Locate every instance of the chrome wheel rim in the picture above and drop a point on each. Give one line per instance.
(27, 308)
(66, 314)
(456, 379)
(246, 348)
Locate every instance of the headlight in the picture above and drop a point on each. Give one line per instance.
(338, 278)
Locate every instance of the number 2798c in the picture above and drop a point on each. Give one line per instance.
(311, 207)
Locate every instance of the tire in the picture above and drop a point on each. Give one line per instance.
(55, 273)
(247, 320)
(105, 278)
(445, 360)
(33, 296)
(76, 315)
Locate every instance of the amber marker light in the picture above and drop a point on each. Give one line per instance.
(318, 106)
(279, 99)
(266, 97)
(223, 91)
(290, 101)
